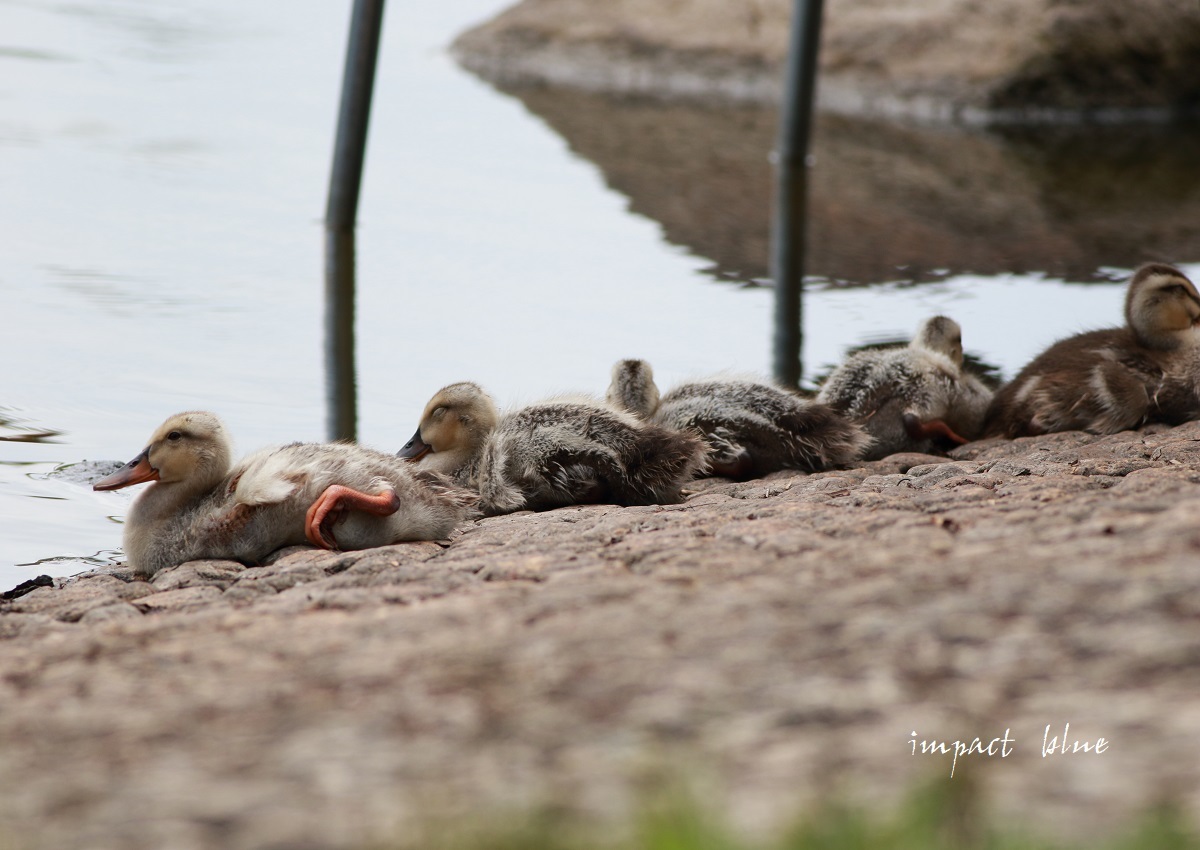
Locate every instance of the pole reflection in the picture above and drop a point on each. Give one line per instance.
(340, 382)
(345, 181)
(791, 194)
(788, 239)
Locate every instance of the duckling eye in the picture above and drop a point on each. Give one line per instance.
(174, 436)
(438, 413)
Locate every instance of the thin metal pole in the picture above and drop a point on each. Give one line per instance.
(349, 150)
(791, 189)
(341, 213)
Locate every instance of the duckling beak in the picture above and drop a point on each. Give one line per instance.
(134, 472)
(415, 449)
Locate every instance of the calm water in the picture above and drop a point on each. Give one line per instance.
(164, 170)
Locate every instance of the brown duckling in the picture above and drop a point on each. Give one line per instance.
(1112, 380)
(335, 495)
(914, 397)
(750, 428)
(560, 452)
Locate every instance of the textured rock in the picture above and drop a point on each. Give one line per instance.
(774, 640)
(935, 59)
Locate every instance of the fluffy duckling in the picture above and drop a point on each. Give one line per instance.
(200, 505)
(750, 428)
(911, 397)
(1111, 380)
(562, 452)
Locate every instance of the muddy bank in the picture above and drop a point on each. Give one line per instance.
(894, 202)
(951, 60)
(775, 639)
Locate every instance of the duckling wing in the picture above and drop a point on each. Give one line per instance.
(1096, 381)
(557, 454)
(916, 381)
(293, 478)
(754, 428)
(272, 476)
(719, 403)
(865, 382)
(545, 457)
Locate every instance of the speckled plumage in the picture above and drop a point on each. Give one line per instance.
(750, 428)
(555, 453)
(1111, 380)
(923, 381)
(204, 507)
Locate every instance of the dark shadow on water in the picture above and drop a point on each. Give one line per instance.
(15, 430)
(76, 564)
(894, 202)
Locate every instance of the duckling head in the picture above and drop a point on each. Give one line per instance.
(453, 427)
(633, 388)
(942, 335)
(189, 449)
(1162, 307)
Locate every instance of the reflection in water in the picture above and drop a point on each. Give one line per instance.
(115, 294)
(892, 202)
(340, 385)
(7, 52)
(788, 246)
(71, 564)
(787, 365)
(13, 430)
(31, 437)
(790, 223)
(166, 34)
(345, 182)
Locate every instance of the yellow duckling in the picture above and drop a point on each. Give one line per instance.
(200, 505)
(1116, 379)
(562, 452)
(910, 398)
(750, 428)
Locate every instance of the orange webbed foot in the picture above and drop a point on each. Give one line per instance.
(333, 504)
(918, 430)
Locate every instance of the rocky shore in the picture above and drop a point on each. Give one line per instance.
(778, 640)
(938, 60)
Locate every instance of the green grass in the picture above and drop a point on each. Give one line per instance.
(944, 816)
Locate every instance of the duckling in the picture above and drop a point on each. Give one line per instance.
(201, 505)
(1112, 380)
(561, 452)
(750, 428)
(907, 398)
